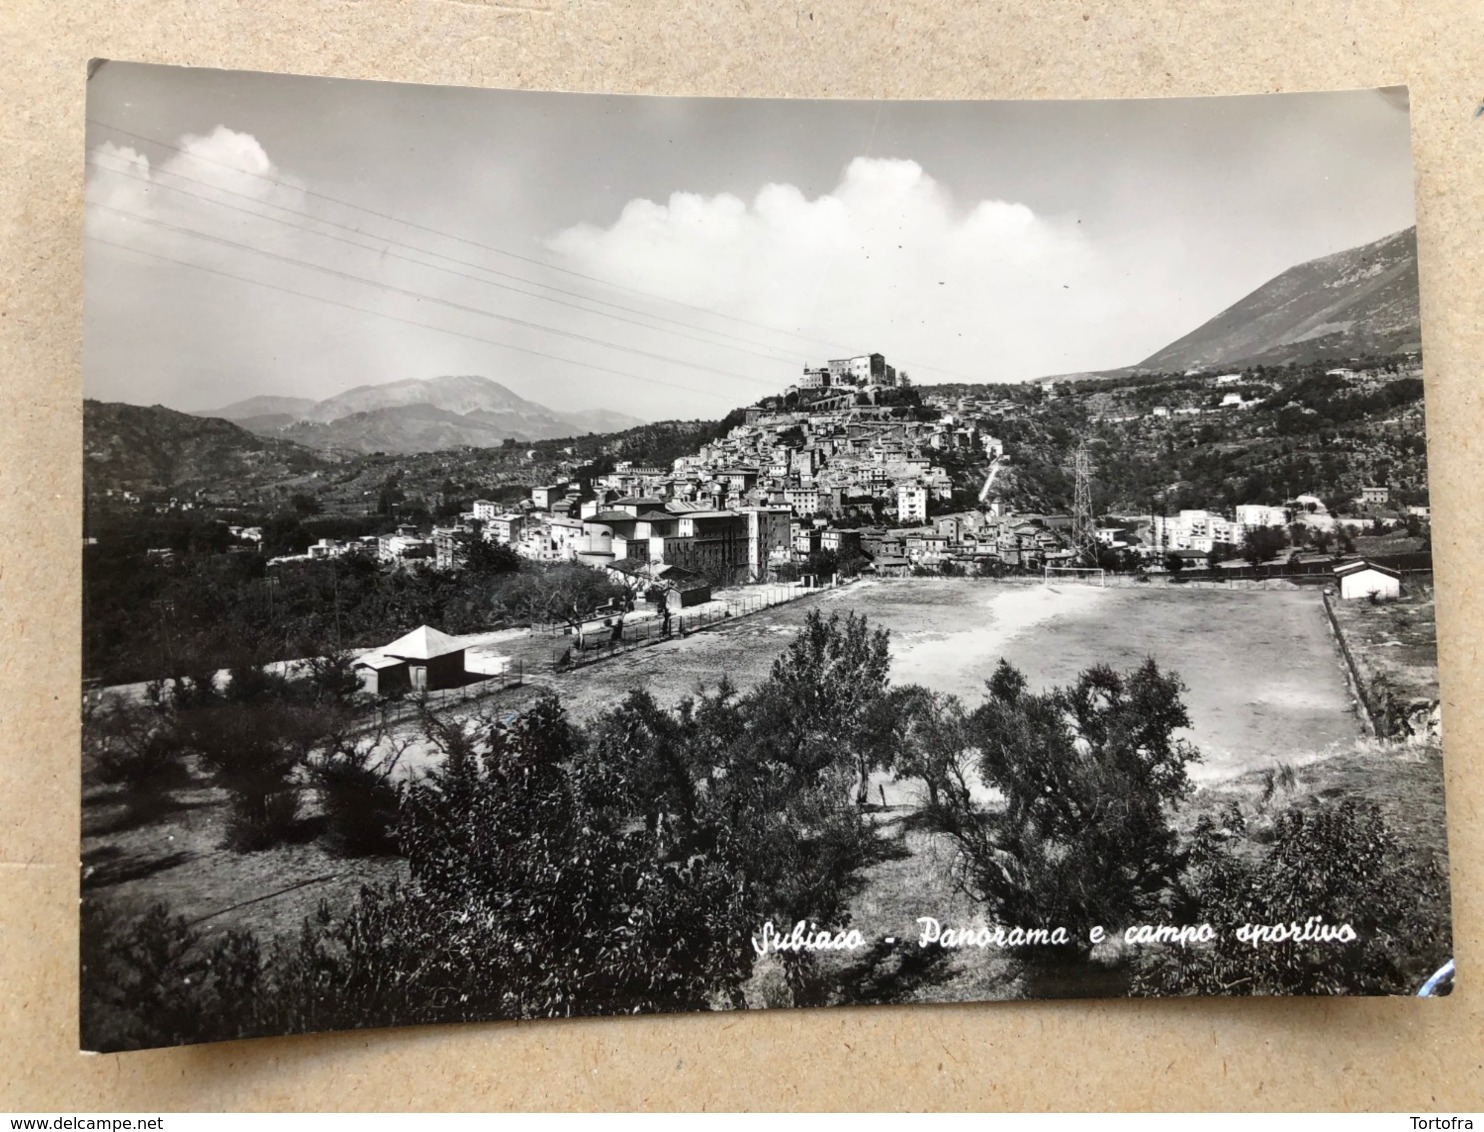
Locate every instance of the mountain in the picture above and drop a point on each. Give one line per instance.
(419, 415)
(152, 448)
(1346, 305)
(238, 411)
(458, 394)
(405, 429)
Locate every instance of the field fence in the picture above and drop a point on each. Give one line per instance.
(413, 704)
(626, 637)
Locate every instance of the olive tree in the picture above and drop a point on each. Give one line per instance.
(1083, 777)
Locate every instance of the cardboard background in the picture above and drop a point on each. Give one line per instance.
(1375, 1054)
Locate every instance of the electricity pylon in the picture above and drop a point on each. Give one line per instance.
(1084, 524)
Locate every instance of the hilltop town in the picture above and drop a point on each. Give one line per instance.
(852, 469)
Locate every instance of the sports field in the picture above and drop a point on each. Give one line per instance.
(1264, 675)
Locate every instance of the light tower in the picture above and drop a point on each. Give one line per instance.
(1084, 525)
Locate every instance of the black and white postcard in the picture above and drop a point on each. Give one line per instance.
(557, 554)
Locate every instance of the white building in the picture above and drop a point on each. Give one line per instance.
(1261, 515)
(504, 528)
(1195, 530)
(1366, 579)
(911, 504)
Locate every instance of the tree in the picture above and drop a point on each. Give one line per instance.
(1220, 552)
(822, 688)
(256, 752)
(283, 533)
(487, 559)
(305, 505)
(568, 593)
(1262, 544)
(134, 747)
(553, 905)
(1086, 774)
(918, 733)
(766, 786)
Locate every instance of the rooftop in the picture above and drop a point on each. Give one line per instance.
(423, 643)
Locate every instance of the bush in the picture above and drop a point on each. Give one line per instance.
(135, 748)
(1340, 861)
(256, 752)
(555, 870)
(259, 820)
(143, 983)
(360, 799)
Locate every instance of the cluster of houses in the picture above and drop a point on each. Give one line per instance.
(1201, 530)
(824, 468)
(768, 493)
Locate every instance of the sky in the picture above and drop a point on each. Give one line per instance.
(252, 234)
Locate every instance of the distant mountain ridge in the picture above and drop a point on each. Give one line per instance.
(1349, 304)
(152, 448)
(417, 415)
(291, 407)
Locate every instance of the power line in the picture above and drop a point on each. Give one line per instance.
(418, 295)
(436, 255)
(462, 239)
(832, 346)
(406, 321)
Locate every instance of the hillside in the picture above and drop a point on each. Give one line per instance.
(1355, 303)
(1179, 439)
(155, 449)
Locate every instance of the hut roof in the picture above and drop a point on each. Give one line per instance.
(378, 661)
(1358, 567)
(423, 643)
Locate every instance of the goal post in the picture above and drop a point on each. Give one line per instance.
(1088, 575)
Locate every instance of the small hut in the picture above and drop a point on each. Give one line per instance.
(684, 588)
(1366, 579)
(424, 660)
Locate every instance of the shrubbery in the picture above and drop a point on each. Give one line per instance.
(134, 748)
(1324, 866)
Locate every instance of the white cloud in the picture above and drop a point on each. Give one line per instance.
(213, 184)
(886, 261)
